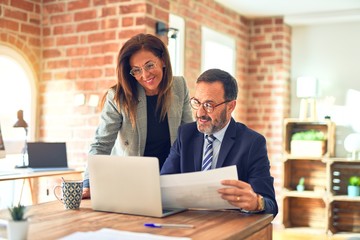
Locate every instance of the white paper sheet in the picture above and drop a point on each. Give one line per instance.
(112, 234)
(196, 189)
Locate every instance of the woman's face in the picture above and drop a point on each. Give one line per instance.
(147, 69)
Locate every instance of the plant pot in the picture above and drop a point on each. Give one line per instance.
(353, 191)
(302, 148)
(17, 230)
(300, 188)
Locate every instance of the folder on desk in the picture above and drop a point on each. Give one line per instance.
(47, 156)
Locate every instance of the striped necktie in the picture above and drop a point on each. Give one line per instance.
(208, 153)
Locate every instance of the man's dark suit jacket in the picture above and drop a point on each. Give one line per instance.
(241, 146)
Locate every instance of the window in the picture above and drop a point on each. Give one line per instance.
(176, 45)
(17, 91)
(218, 51)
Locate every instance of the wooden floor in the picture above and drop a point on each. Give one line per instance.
(305, 235)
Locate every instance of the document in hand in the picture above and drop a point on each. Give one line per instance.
(196, 189)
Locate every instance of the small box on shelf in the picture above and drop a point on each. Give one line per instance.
(300, 148)
(309, 130)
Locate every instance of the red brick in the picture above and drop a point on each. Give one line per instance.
(99, 37)
(105, 48)
(61, 41)
(22, 4)
(88, 26)
(61, 30)
(58, 7)
(79, 4)
(90, 73)
(133, 8)
(61, 19)
(85, 15)
(26, 28)
(18, 15)
(109, 23)
(58, 64)
(51, 53)
(108, 11)
(127, 21)
(9, 24)
(98, 61)
(78, 51)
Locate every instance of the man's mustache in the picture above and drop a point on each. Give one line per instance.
(205, 118)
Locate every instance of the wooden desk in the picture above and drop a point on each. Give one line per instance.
(33, 179)
(51, 221)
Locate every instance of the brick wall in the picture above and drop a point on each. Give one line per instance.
(20, 29)
(268, 87)
(73, 45)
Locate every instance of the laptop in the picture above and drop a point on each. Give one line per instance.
(129, 185)
(47, 156)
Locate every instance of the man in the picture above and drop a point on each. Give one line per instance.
(231, 143)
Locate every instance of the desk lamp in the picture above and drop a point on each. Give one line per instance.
(20, 123)
(307, 90)
(352, 145)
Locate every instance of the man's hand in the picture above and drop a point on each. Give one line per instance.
(86, 193)
(239, 194)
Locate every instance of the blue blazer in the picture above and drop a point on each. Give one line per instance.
(241, 146)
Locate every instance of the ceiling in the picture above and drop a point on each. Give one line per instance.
(298, 12)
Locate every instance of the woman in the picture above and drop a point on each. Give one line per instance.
(143, 111)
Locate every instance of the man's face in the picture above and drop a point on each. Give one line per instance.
(213, 93)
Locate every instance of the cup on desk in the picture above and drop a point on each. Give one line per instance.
(71, 193)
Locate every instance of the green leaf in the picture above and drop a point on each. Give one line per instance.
(309, 135)
(354, 181)
(301, 181)
(17, 212)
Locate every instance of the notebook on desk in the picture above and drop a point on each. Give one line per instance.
(47, 156)
(129, 185)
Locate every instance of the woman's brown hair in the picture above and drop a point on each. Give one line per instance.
(126, 87)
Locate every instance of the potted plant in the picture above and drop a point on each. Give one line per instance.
(301, 187)
(18, 225)
(309, 143)
(354, 186)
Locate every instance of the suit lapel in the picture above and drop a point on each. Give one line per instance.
(141, 119)
(173, 117)
(227, 143)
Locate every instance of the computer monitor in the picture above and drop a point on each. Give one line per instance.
(2, 146)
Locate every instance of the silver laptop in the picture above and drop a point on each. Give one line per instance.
(129, 185)
(47, 156)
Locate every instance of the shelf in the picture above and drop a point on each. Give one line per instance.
(345, 216)
(340, 172)
(324, 205)
(304, 212)
(304, 194)
(314, 173)
(288, 157)
(344, 198)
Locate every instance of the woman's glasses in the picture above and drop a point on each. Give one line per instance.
(138, 71)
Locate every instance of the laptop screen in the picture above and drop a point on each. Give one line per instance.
(47, 155)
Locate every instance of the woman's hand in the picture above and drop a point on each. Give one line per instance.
(86, 193)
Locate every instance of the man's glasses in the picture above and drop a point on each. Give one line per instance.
(209, 107)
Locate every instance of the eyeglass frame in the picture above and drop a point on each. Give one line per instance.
(143, 68)
(212, 105)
